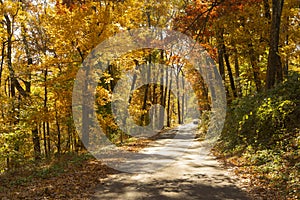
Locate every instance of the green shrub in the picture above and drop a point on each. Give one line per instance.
(264, 119)
(264, 131)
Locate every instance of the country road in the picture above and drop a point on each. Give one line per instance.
(182, 168)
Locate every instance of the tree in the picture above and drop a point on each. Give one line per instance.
(274, 68)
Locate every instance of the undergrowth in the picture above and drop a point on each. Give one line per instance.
(43, 169)
(262, 133)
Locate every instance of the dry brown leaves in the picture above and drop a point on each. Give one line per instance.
(75, 182)
(256, 183)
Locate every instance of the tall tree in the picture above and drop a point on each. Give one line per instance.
(274, 68)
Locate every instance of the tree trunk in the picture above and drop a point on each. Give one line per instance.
(46, 113)
(48, 138)
(2, 61)
(166, 87)
(229, 71)
(45, 139)
(162, 102)
(36, 143)
(144, 107)
(155, 115)
(58, 145)
(237, 72)
(14, 82)
(182, 99)
(220, 42)
(178, 98)
(274, 68)
(169, 101)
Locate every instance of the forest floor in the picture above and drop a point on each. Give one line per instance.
(195, 174)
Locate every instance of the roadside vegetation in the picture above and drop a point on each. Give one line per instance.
(71, 176)
(262, 138)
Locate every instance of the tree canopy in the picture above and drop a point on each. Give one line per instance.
(255, 44)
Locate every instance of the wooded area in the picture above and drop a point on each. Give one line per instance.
(255, 44)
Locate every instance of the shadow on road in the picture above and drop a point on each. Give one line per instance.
(190, 186)
(178, 170)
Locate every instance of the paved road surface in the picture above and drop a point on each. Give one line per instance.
(194, 174)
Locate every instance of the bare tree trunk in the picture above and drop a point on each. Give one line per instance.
(58, 145)
(36, 143)
(237, 72)
(220, 42)
(45, 139)
(182, 99)
(178, 99)
(166, 87)
(154, 101)
(162, 95)
(274, 68)
(48, 138)
(2, 61)
(143, 117)
(45, 110)
(147, 89)
(229, 71)
(169, 101)
(9, 56)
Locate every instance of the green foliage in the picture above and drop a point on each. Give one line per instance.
(14, 143)
(265, 131)
(266, 118)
